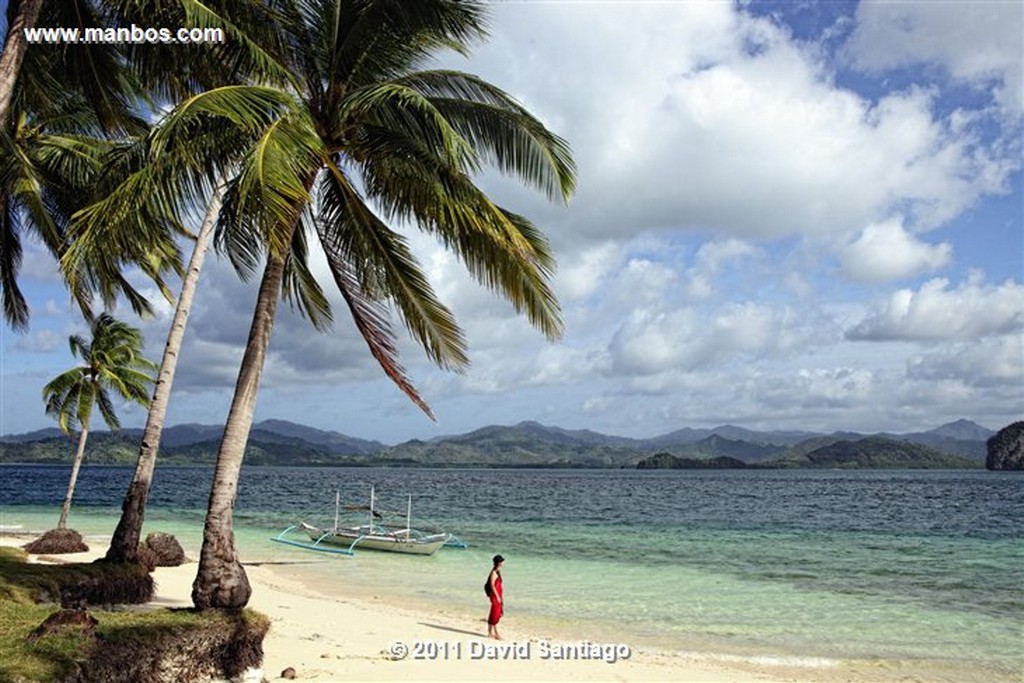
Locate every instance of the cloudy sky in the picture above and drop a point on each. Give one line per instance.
(789, 215)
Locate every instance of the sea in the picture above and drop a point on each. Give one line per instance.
(912, 575)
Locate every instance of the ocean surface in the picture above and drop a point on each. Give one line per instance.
(916, 573)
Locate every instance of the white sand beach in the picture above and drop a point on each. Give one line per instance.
(371, 639)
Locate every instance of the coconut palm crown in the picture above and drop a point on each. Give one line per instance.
(111, 360)
(71, 133)
(359, 142)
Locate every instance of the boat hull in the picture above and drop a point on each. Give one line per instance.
(394, 543)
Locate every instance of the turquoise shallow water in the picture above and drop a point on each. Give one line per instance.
(922, 571)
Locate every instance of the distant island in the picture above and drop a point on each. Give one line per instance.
(960, 444)
(872, 452)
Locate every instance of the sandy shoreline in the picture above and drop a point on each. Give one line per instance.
(327, 638)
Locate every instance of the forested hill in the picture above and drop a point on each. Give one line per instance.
(876, 452)
(528, 444)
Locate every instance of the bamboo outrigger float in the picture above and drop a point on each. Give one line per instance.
(376, 535)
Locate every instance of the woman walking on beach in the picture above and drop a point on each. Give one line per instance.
(493, 589)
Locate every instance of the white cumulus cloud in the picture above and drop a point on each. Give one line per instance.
(886, 251)
(936, 312)
(978, 43)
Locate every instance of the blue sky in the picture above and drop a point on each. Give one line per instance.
(789, 215)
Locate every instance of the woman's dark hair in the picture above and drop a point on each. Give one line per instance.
(498, 559)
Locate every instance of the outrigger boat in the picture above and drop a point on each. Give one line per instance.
(378, 534)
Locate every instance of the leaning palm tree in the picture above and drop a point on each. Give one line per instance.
(124, 542)
(154, 194)
(111, 359)
(360, 143)
(22, 14)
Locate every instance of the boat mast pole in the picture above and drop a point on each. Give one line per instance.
(337, 502)
(371, 509)
(408, 518)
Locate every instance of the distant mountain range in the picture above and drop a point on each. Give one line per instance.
(527, 444)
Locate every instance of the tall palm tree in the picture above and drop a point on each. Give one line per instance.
(359, 140)
(155, 194)
(112, 359)
(22, 14)
(94, 251)
(124, 543)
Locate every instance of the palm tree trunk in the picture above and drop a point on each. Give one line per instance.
(221, 581)
(124, 545)
(14, 51)
(65, 509)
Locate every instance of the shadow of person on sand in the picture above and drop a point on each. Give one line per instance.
(453, 630)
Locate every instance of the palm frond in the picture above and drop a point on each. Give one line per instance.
(106, 407)
(148, 187)
(378, 39)
(249, 108)
(502, 250)
(249, 29)
(237, 235)
(85, 399)
(405, 111)
(370, 316)
(56, 78)
(16, 309)
(275, 177)
(387, 269)
(300, 287)
(499, 129)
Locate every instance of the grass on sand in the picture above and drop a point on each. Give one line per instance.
(117, 642)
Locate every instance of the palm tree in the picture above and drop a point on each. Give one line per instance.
(360, 140)
(22, 14)
(67, 136)
(125, 541)
(95, 249)
(69, 104)
(111, 360)
(50, 167)
(154, 194)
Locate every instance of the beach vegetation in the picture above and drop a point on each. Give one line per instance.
(358, 144)
(71, 584)
(112, 360)
(70, 123)
(58, 624)
(156, 196)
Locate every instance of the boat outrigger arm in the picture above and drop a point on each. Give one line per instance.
(280, 538)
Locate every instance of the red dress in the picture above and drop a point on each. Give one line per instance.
(497, 603)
